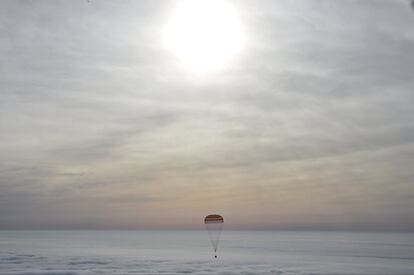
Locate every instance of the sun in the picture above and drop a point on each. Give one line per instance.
(204, 34)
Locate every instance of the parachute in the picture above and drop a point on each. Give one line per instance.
(214, 224)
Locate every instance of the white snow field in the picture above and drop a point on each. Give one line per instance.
(190, 252)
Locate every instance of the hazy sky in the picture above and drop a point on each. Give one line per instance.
(309, 125)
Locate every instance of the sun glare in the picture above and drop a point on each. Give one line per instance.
(204, 34)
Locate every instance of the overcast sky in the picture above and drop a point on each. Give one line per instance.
(309, 126)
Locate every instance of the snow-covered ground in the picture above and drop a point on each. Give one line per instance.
(240, 252)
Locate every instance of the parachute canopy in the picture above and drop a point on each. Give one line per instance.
(213, 219)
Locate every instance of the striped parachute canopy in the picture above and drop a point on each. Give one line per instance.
(214, 225)
(213, 219)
